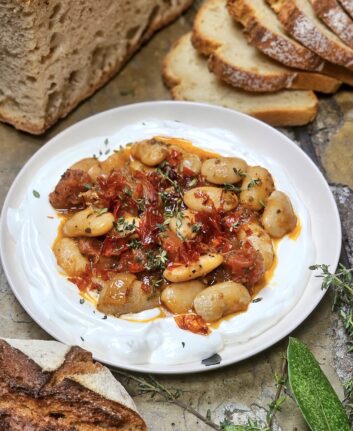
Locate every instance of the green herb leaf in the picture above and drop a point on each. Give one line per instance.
(36, 194)
(239, 172)
(254, 182)
(101, 211)
(231, 187)
(314, 394)
(196, 228)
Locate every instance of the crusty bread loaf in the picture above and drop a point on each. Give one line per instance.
(241, 65)
(348, 5)
(299, 19)
(45, 385)
(56, 53)
(185, 72)
(334, 16)
(263, 30)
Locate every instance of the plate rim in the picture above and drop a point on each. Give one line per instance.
(192, 367)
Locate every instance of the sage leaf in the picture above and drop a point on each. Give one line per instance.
(314, 394)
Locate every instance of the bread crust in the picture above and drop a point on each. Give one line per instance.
(275, 117)
(54, 400)
(292, 54)
(348, 6)
(105, 77)
(334, 16)
(304, 30)
(246, 79)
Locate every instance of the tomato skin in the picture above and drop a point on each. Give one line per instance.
(129, 263)
(114, 246)
(245, 265)
(148, 229)
(192, 323)
(174, 158)
(234, 219)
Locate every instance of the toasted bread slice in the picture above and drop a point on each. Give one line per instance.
(348, 5)
(238, 63)
(299, 19)
(186, 73)
(334, 16)
(263, 30)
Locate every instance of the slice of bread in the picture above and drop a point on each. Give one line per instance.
(334, 16)
(263, 30)
(238, 63)
(55, 53)
(348, 5)
(46, 385)
(299, 19)
(186, 73)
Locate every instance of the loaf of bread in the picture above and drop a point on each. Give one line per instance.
(56, 53)
(45, 385)
(186, 73)
(235, 61)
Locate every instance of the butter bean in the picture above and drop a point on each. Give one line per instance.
(89, 222)
(203, 266)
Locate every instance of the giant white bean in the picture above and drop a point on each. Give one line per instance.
(179, 297)
(69, 257)
(224, 170)
(205, 264)
(182, 224)
(221, 299)
(260, 240)
(150, 152)
(89, 222)
(90, 165)
(124, 294)
(192, 163)
(278, 217)
(256, 188)
(209, 198)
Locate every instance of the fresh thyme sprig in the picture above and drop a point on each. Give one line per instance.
(342, 285)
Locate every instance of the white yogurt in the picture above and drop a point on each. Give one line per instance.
(159, 341)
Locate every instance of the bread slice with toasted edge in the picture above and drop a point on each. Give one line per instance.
(266, 33)
(57, 54)
(335, 17)
(46, 385)
(235, 61)
(186, 73)
(263, 30)
(299, 19)
(348, 5)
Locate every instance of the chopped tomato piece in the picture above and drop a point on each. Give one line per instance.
(245, 265)
(192, 323)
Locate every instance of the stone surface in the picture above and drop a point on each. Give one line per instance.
(245, 389)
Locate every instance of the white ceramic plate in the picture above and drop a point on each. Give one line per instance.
(27, 235)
